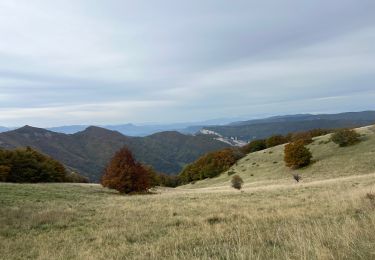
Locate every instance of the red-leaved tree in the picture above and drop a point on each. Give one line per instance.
(125, 174)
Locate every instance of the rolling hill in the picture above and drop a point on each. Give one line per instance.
(329, 161)
(88, 151)
(328, 215)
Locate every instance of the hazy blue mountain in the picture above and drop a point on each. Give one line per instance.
(146, 129)
(69, 129)
(3, 129)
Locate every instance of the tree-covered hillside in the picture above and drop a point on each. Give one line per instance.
(89, 151)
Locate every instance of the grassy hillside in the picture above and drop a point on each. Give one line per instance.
(329, 215)
(330, 161)
(317, 220)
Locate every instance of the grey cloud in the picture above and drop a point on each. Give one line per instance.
(185, 59)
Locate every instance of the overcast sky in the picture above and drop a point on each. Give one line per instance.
(119, 61)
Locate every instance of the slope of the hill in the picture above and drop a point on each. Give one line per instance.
(89, 151)
(332, 219)
(329, 161)
(263, 128)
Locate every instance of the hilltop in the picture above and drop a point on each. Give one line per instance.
(89, 151)
(329, 161)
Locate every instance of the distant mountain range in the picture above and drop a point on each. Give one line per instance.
(3, 129)
(263, 128)
(131, 129)
(140, 130)
(88, 151)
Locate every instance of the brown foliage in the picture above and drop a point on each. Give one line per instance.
(126, 175)
(297, 155)
(304, 137)
(307, 136)
(210, 165)
(276, 140)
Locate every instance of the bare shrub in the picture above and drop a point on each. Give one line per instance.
(297, 177)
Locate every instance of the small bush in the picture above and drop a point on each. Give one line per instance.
(231, 172)
(237, 182)
(345, 137)
(296, 155)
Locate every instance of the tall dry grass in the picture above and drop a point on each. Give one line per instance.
(326, 220)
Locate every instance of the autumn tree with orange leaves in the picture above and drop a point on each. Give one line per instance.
(125, 174)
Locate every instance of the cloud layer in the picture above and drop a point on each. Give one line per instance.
(95, 62)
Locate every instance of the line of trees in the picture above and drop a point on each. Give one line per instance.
(210, 165)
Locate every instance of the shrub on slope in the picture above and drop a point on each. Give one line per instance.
(297, 155)
(345, 137)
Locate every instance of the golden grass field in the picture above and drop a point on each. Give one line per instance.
(329, 215)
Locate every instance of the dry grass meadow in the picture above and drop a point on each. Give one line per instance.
(329, 215)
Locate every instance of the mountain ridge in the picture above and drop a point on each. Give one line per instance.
(263, 128)
(88, 151)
